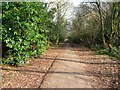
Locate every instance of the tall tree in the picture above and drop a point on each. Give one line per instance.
(61, 7)
(98, 4)
(115, 23)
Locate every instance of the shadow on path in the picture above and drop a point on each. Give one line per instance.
(71, 60)
(63, 72)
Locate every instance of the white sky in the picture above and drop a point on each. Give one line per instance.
(75, 2)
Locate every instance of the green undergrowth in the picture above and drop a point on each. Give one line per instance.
(115, 53)
(25, 31)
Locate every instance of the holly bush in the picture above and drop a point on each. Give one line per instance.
(25, 30)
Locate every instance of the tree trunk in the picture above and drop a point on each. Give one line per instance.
(115, 22)
(101, 24)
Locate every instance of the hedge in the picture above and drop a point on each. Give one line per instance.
(25, 30)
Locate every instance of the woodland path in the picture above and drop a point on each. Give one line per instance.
(67, 71)
(67, 66)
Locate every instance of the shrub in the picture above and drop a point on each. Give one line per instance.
(73, 38)
(96, 47)
(114, 53)
(25, 28)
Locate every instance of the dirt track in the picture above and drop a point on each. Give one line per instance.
(74, 67)
(68, 72)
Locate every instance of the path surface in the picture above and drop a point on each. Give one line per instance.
(63, 67)
(67, 71)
